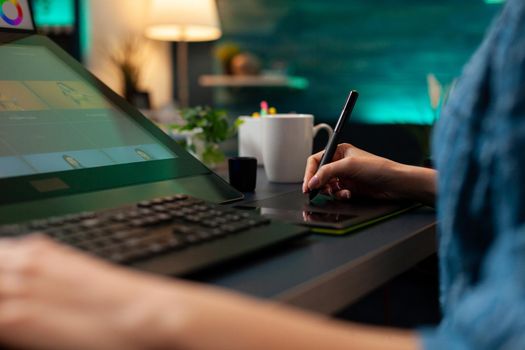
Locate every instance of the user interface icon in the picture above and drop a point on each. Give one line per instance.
(11, 12)
(15, 14)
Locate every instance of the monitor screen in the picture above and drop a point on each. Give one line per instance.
(52, 119)
(15, 14)
(64, 133)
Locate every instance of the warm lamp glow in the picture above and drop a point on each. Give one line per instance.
(183, 20)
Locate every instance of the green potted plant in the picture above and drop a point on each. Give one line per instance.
(206, 128)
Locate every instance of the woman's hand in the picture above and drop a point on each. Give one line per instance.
(52, 297)
(356, 173)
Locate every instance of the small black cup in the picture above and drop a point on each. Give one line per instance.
(243, 173)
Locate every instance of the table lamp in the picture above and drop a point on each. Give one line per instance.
(183, 21)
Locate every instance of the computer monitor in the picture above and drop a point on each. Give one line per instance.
(63, 132)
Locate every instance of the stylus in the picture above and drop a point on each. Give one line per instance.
(334, 140)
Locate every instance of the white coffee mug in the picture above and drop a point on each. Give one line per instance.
(287, 144)
(250, 138)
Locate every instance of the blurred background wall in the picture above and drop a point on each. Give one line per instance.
(385, 49)
(113, 23)
(94, 30)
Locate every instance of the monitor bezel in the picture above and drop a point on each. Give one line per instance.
(22, 188)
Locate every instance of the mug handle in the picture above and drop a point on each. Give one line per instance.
(323, 126)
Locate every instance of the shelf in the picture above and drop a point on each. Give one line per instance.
(276, 81)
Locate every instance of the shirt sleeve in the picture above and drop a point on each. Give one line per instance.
(491, 313)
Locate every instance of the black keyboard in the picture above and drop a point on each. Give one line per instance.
(171, 235)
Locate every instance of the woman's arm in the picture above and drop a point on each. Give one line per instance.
(356, 173)
(52, 297)
(223, 321)
(417, 183)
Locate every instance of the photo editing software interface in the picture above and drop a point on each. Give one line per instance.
(51, 119)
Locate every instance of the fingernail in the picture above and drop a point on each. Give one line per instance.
(314, 182)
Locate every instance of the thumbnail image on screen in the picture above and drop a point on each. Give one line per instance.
(51, 119)
(15, 14)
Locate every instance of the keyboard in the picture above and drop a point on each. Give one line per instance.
(174, 235)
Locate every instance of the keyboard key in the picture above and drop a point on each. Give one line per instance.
(86, 215)
(38, 225)
(164, 217)
(182, 229)
(172, 206)
(11, 230)
(56, 221)
(221, 220)
(204, 235)
(231, 228)
(155, 248)
(174, 243)
(87, 246)
(215, 212)
(111, 227)
(138, 223)
(133, 214)
(217, 232)
(145, 204)
(194, 218)
(151, 221)
(188, 211)
(211, 223)
(157, 201)
(120, 217)
(192, 238)
(146, 211)
(180, 197)
(90, 223)
(177, 214)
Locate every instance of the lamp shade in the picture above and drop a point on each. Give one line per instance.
(183, 20)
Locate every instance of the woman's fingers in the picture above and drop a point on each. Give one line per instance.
(343, 195)
(312, 164)
(338, 169)
(52, 297)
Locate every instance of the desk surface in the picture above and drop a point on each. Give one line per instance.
(325, 273)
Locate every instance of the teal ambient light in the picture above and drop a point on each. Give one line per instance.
(61, 14)
(54, 13)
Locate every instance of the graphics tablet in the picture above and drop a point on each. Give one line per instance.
(327, 215)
